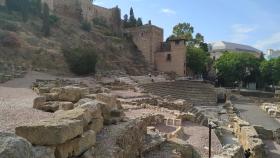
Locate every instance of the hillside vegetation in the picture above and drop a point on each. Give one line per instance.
(24, 43)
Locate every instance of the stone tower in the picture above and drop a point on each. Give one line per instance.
(148, 39)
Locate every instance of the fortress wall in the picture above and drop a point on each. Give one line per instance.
(70, 8)
(2, 2)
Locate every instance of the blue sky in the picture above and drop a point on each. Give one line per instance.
(252, 22)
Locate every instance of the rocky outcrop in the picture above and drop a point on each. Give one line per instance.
(12, 146)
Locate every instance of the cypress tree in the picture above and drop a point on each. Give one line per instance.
(46, 20)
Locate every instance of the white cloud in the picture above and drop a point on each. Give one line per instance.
(240, 32)
(271, 42)
(168, 11)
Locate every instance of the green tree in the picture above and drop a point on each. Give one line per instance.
(139, 22)
(125, 20)
(46, 20)
(132, 21)
(183, 30)
(86, 26)
(237, 66)
(270, 71)
(199, 38)
(197, 60)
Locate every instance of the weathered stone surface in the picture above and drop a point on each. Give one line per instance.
(76, 114)
(12, 146)
(89, 153)
(76, 146)
(71, 93)
(231, 151)
(51, 132)
(110, 100)
(49, 107)
(39, 102)
(66, 105)
(94, 107)
(83, 101)
(51, 96)
(95, 125)
(91, 96)
(43, 152)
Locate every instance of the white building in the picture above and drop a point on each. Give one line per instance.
(271, 54)
(217, 49)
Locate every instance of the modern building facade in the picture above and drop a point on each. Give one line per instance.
(272, 54)
(217, 49)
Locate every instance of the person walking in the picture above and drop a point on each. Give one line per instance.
(247, 153)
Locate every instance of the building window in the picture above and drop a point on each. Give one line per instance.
(168, 58)
(177, 42)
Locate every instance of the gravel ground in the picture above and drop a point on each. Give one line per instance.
(16, 100)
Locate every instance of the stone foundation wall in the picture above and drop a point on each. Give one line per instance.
(249, 138)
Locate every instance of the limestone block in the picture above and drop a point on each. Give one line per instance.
(66, 105)
(77, 146)
(94, 107)
(95, 125)
(12, 146)
(43, 152)
(91, 96)
(51, 131)
(83, 101)
(38, 102)
(51, 96)
(76, 114)
(71, 93)
(49, 107)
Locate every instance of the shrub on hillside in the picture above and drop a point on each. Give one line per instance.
(10, 40)
(53, 19)
(6, 25)
(81, 61)
(86, 26)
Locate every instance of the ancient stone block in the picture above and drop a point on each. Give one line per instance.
(12, 146)
(71, 93)
(94, 107)
(66, 105)
(76, 114)
(38, 102)
(49, 107)
(43, 152)
(51, 132)
(95, 125)
(51, 96)
(77, 146)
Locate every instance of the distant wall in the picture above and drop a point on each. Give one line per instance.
(85, 10)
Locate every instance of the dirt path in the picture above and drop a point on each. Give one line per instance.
(255, 116)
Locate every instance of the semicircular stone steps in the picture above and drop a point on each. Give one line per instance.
(198, 93)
